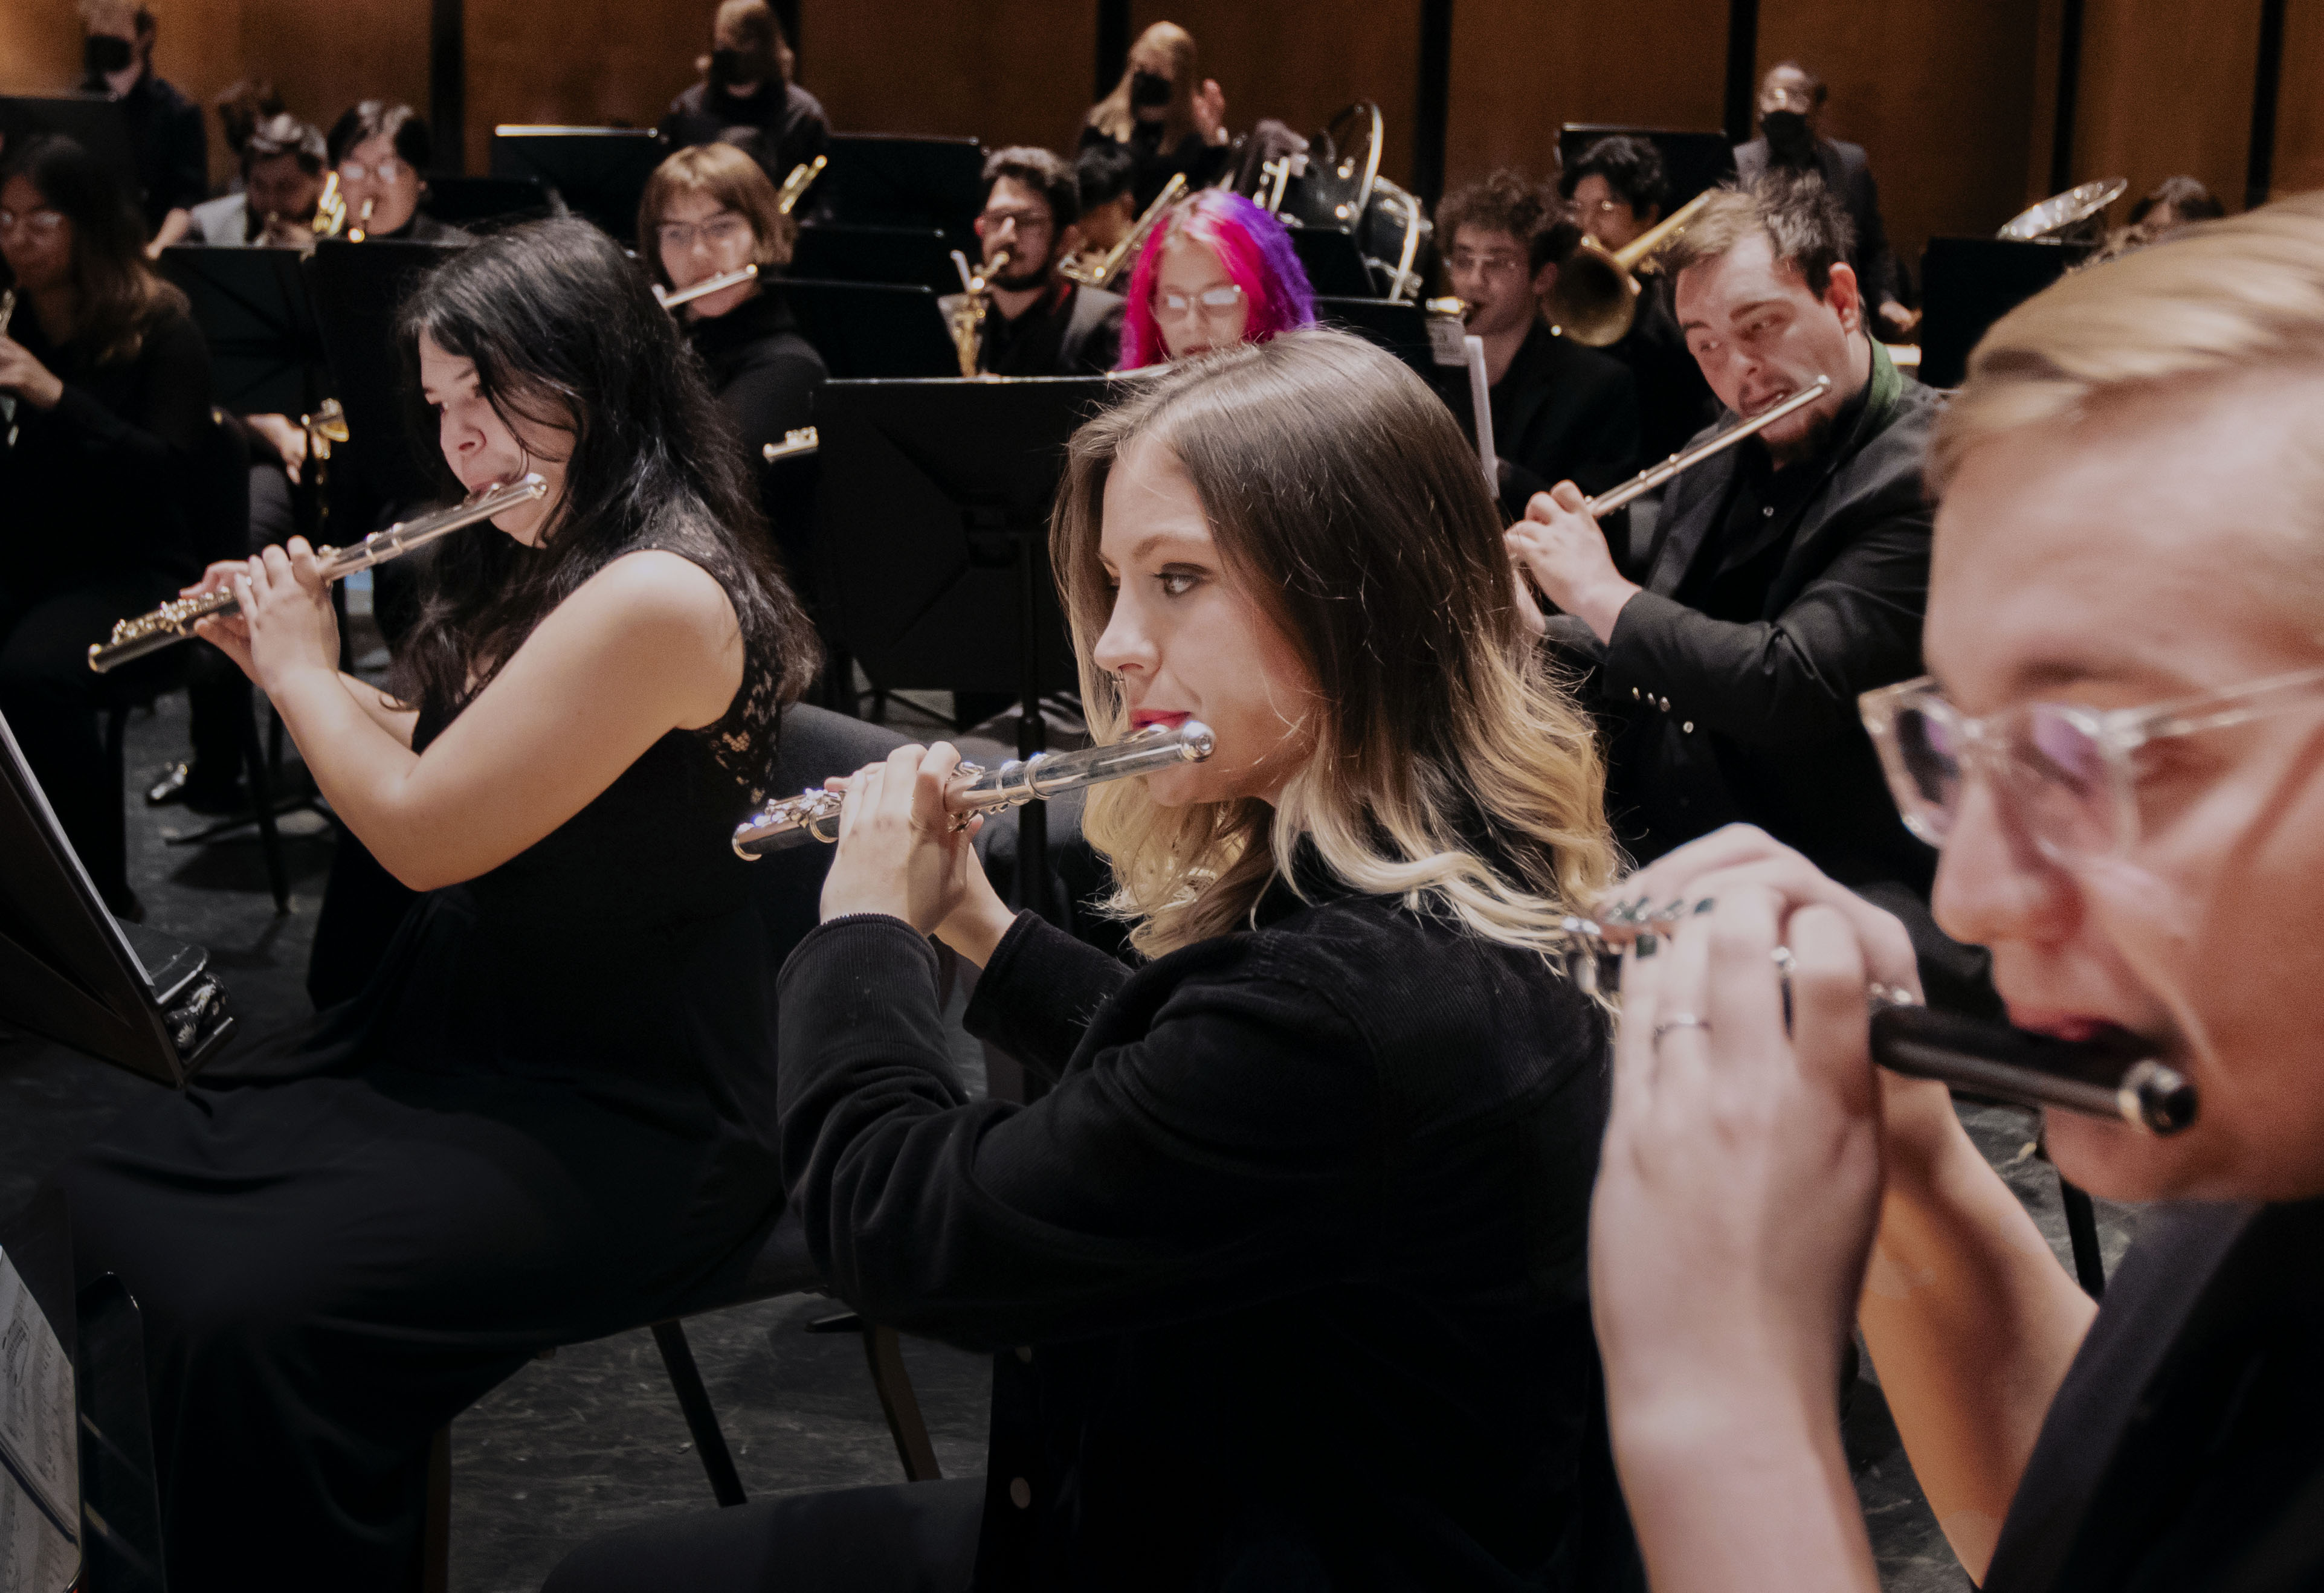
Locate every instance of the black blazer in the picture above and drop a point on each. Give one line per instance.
(1563, 412)
(1286, 1272)
(1847, 171)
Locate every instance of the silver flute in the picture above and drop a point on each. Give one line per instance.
(2114, 1077)
(174, 620)
(1655, 476)
(705, 288)
(814, 815)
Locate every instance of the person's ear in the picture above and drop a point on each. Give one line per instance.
(1069, 243)
(1544, 281)
(1845, 296)
(978, 225)
(1654, 213)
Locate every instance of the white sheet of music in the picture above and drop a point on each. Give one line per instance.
(40, 1448)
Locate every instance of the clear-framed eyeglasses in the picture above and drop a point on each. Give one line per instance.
(2066, 775)
(389, 170)
(40, 223)
(1211, 304)
(719, 232)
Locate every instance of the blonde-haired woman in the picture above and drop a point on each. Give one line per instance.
(1287, 1264)
(1164, 111)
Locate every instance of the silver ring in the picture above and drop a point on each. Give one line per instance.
(1785, 962)
(1676, 1020)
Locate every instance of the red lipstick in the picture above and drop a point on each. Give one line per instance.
(1147, 718)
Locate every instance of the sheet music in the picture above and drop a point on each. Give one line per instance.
(40, 1448)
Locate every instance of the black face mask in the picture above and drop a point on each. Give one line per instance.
(729, 67)
(107, 52)
(1788, 138)
(1148, 90)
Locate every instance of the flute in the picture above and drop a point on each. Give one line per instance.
(2117, 1077)
(174, 620)
(705, 288)
(798, 441)
(814, 815)
(1655, 476)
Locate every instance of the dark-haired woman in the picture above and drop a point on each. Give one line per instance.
(1284, 1272)
(108, 385)
(707, 211)
(381, 151)
(550, 1108)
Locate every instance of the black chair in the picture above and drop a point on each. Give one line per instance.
(787, 887)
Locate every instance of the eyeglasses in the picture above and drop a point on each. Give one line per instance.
(1787, 98)
(388, 171)
(43, 224)
(2066, 775)
(1028, 221)
(1462, 260)
(718, 231)
(1211, 304)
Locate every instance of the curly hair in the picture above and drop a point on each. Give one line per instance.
(1508, 201)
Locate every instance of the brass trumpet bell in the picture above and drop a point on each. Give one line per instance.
(1596, 297)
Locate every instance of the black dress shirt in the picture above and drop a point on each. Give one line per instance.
(765, 375)
(1563, 412)
(1285, 1273)
(1071, 330)
(167, 140)
(788, 117)
(2184, 1451)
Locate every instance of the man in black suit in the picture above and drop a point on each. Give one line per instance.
(1561, 411)
(1042, 323)
(749, 86)
(1787, 574)
(1791, 139)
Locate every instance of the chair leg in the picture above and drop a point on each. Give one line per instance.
(901, 1407)
(435, 1537)
(261, 805)
(693, 1400)
(2082, 1235)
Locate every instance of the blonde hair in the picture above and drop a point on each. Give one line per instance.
(2222, 297)
(729, 176)
(1447, 767)
(1113, 115)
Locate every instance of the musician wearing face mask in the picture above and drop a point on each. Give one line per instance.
(1791, 139)
(1561, 411)
(281, 179)
(747, 84)
(1170, 118)
(1785, 577)
(1042, 323)
(165, 127)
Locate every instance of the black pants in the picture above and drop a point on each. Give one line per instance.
(50, 698)
(905, 1537)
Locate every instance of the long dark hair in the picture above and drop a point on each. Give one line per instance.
(117, 294)
(563, 330)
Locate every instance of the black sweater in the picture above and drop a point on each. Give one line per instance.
(1293, 1247)
(765, 375)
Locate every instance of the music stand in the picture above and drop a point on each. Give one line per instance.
(356, 288)
(932, 529)
(881, 179)
(599, 172)
(71, 973)
(251, 304)
(1692, 162)
(1334, 264)
(93, 121)
(1966, 284)
(872, 329)
(919, 256)
(1402, 329)
(466, 201)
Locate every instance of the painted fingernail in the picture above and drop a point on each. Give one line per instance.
(1645, 945)
(1705, 905)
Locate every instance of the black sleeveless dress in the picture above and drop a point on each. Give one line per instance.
(548, 1117)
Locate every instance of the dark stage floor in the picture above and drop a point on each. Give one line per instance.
(591, 1438)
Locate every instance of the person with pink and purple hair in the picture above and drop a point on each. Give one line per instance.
(1219, 271)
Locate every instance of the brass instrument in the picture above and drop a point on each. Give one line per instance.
(965, 311)
(174, 621)
(325, 426)
(330, 210)
(814, 815)
(798, 443)
(357, 234)
(1107, 268)
(1597, 294)
(8, 400)
(1655, 476)
(796, 185)
(705, 288)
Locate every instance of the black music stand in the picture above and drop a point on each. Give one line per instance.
(1966, 284)
(93, 121)
(251, 304)
(872, 329)
(356, 288)
(71, 974)
(469, 201)
(1692, 162)
(881, 179)
(1334, 264)
(599, 172)
(1402, 329)
(932, 529)
(835, 252)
